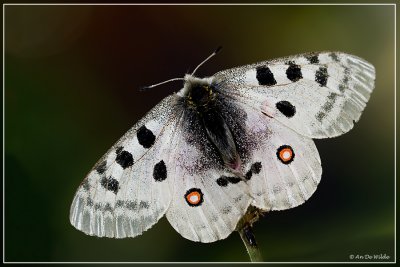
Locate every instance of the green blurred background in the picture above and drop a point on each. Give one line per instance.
(72, 75)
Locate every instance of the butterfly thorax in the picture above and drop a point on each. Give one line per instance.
(201, 98)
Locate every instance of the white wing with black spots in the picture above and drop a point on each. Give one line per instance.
(318, 95)
(208, 200)
(284, 169)
(129, 189)
(202, 210)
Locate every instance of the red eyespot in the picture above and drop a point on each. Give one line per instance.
(194, 197)
(285, 154)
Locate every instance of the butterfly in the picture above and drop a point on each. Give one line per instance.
(238, 139)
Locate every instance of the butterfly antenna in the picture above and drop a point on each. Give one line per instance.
(144, 88)
(205, 60)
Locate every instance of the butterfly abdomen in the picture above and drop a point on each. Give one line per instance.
(221, 136)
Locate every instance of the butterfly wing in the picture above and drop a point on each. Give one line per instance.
(130, 188)
(208, 201)
(164, 164)
(318, 95)
(292, 100)
(284, 170)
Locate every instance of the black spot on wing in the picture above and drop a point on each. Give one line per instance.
(221, 181)
(227, 210)
(327, 107)
(110, 184)
(345, 82)
(321, 76)
(313, 59)
(85, 184)
(124, 158)
(119, 203)
(293, 72)
(334, 56)
(133, 205)
(233, 179)
(108, 207)
(265, 76)
(143, 205)
(101, 168)
(320, 116)
(286, 108)
(160, 171)
(256, 168)
(225, 180)
(89, 202)
(248, 175)
(98, 206)
(145, 137)
(238, 198)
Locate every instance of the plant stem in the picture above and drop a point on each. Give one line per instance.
(249, 241)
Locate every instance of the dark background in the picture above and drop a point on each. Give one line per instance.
(72, 75)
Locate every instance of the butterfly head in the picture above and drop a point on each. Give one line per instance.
(195, 84)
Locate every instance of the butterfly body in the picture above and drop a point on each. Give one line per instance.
(238, 139)
(204, 105)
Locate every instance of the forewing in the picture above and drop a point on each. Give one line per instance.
(129, 189)
(318, 95)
